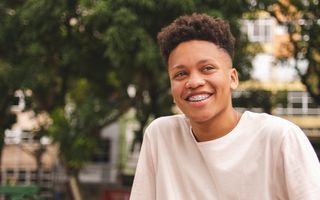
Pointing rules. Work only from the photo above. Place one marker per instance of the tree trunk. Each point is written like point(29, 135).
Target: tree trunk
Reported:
point(1, 145)
point(74, 187)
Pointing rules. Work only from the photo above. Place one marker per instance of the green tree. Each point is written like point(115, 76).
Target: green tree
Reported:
point(302, 21)
point(307, 48)
point(7, 89)
point(79, 57)
point(63, 62)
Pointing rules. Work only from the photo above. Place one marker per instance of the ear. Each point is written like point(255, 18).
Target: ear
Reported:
point(234, 80)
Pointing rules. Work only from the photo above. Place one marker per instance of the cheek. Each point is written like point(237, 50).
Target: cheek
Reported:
point(176, 89)
point(220, 85)
point(220, 80)
point(215, 81)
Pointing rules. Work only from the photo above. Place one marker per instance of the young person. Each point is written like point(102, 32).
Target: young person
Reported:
point(211, 151)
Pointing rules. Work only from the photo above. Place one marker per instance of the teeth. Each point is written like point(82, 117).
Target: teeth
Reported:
point(198, 98)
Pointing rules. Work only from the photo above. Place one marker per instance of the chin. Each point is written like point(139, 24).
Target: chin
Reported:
point(199, 118)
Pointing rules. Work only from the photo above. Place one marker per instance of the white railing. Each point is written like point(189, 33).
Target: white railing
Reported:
point(17, 137)
point(296, 111)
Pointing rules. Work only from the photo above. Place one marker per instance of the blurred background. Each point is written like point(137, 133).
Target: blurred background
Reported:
point(81, 79)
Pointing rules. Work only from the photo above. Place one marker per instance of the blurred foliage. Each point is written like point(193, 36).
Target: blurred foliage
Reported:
point(302, 19)
point(281, 99)
point(78, 57)
point(260, 99)
point(252, 99)
point(75, 140)
point(8, 87)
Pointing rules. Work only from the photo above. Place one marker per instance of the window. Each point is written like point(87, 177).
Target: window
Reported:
point(259, 30)
point(22, 176)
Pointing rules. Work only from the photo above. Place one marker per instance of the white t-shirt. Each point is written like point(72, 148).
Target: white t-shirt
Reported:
point(263, 158)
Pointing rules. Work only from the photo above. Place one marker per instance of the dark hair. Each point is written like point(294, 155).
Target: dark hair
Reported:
point(196, 27)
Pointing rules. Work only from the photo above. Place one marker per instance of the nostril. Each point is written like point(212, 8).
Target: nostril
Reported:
point(195, 83)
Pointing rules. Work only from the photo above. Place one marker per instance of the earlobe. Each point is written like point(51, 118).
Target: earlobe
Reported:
point(234, 79)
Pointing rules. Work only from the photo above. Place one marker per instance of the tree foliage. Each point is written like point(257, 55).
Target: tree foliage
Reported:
point(302, 19)
point(79, 57)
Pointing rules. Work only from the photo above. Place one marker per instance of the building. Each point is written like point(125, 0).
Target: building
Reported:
point(26, 161)
point(288, 96)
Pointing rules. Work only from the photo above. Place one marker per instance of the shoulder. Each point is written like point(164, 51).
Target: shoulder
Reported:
point(269, 121)
point(167, 127)
point(273, 126)
point(168, 123)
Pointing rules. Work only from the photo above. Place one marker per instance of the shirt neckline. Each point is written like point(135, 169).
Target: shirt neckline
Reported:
point(228, 136)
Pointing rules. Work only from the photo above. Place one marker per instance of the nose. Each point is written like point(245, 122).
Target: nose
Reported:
point(195, 81)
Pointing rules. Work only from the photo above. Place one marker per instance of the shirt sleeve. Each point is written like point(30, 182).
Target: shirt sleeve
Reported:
point(143, 187)
point(301, 168)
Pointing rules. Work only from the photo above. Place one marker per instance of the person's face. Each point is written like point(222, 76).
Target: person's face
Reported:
point(202, 79)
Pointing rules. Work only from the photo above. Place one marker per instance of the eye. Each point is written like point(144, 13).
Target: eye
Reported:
point(208, 68)
point(180, 75)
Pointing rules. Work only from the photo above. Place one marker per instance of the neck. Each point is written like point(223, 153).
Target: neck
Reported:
point(217, 127)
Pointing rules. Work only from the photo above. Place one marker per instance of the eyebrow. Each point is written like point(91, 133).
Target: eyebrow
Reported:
point(177, 67)
point(199, 62)
point(206, 60)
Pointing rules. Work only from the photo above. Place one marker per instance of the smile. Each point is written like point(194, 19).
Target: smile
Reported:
point(197, 98)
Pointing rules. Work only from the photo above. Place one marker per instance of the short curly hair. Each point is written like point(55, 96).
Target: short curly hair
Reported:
point(196, 27)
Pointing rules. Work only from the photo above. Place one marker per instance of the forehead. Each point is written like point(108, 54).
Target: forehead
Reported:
point(193, 51)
